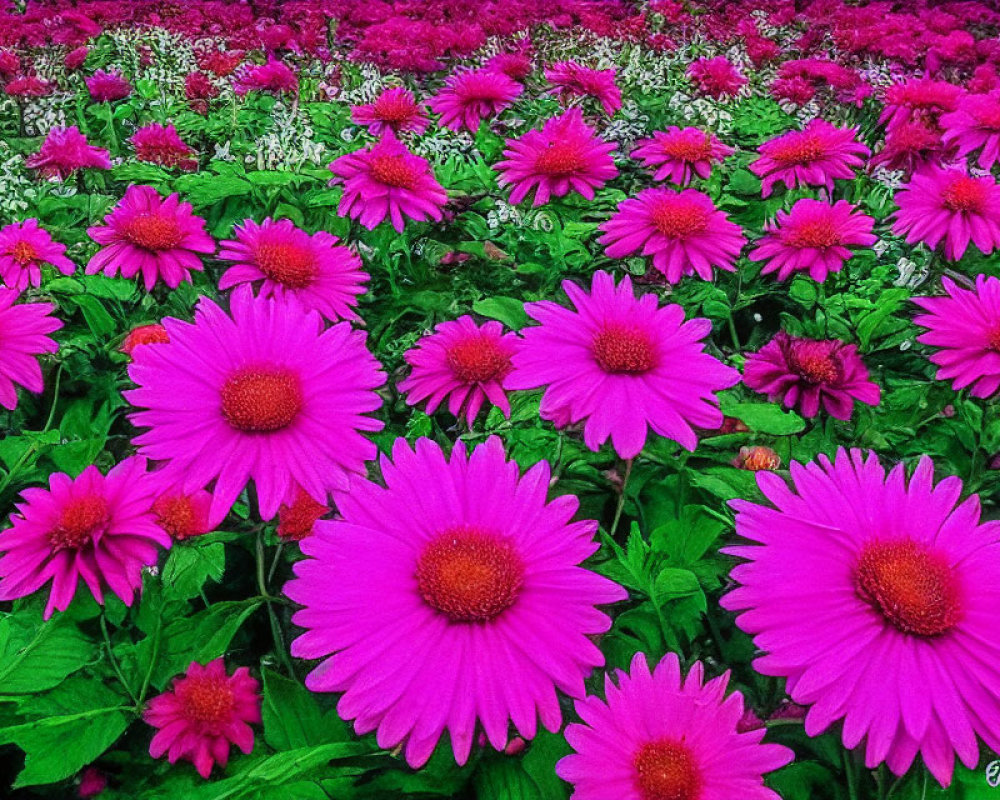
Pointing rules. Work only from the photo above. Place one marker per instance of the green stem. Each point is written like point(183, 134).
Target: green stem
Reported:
point(274, 562)
point(621, 496)
point(852, 776)
point(733, 334)
point(114, 661)
point(279, 641)
point(152, 659)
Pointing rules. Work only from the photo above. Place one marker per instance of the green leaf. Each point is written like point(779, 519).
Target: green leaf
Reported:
point(502, 778)
point(292, 717)
point(190, 564)
point(100, 322)
point(36, 657)
point(509, 310)
point(766, 418)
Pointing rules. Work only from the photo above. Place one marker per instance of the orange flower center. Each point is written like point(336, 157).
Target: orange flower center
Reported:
point(688, 148)
point(393, 171)
point(965, 194)
point(176, 515)
point(477, 359)
point(393, 109)
point(153, 232)
point(261, 399)
point(296, 522)
point(207, 700)
point(23, 253)
point(800, 148)
point(819, 233)
point(561, 158)
point(816, 365)
point(679, 218)
point(288, 263)
point(79, 521)
point(667, 771)
point(622, 349)
point(758, 458)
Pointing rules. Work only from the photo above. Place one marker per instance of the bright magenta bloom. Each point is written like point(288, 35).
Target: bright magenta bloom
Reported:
point(975, 125)
point(25, 328)
point(387, 180)
point(394, 110)
point(161, 145)
point(683, 231)
point(183, 514)
point(807, 373)
point(621, 364)
point(286, 260)
point(814, 156)
point(860, 588)
point(965, 325)
point(918, 98)
point(203, 714)
point(266, 395)
point(24, 247)
point(716, 77)
point(570, 79)
point(813, 237)
point(949, 205)
point(105, 87)
point(274, 77)
point(452, 596)
point(566, 154)
point(470, 96)
point(28, 86)
point(464, 362)
point(95, 527)
point(663, 735)
point(143, 335)
point(147, 234)
point(678, 154)
point(64, 151)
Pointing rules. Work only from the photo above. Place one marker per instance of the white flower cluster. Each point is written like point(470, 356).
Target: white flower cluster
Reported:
point(910, 275)
point(504, 215)
point(288, 145)
point(172, 56)
point(371, 86)
point(15, 184)
point(440, 144)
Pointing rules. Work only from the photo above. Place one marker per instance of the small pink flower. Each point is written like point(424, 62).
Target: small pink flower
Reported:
point(64, 151)
point(28, 86)
point(144, 334)
point(10, 64)
point(514, 65)
point(913, 146)
point(471, 96)
point(75, 58)
point(716, 77)
point(25, 328)
point(394, 110)
point(105, 87)
point(975, 125)
point(92, 782)
point(918, 98)
point(183, 514)
point(678, 154)
point(297, 519)
point(162, 145)
point(570, 79)
point(24, 247)
point(275, 77)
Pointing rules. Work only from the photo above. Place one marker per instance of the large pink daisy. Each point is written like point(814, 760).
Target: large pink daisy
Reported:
point(470, 96)
point(570, 79)
point(393, 110)
point(678, 154)
point(449, 598)
point(265, 395)
point(975, 125)
point(64, 152)
point(878, 602)
point(24, 247)
point(621, 364)
point(24, 330)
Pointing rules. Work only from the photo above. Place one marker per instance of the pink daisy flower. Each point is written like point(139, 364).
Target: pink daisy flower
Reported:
point(322, 274)
point(570, 79)
point(913, 147)
point(806, 373)
point(387, 180)
point(678, 154)
point(184, 514)
point(297, 519)
point(95, 527)
point(394, 110)
point(203, 714)
point(716, 77)
point(470, 96)
point(25, 328)
point(274, 77)
point(265, 395)
point(878, 602)
point(464, 362)
point(975, 125)
point(158, 144)
point(814, 156)
point(24, 247)
point(683, 231)
point(105, 87)
point(147, 234)
point(621, 364)
point(514, 65)
point(449, 597)
point(28, 86)
point(64, 152)
point(566, 154)
point(918, 98)
point(813, 237)
point(663, 735)
point(949, 205)
point(144, 334)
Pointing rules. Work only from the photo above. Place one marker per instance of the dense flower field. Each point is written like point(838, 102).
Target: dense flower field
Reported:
point(510, 400)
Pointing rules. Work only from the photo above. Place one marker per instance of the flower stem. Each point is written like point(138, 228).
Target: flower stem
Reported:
point(621, 496)
point(114, 661)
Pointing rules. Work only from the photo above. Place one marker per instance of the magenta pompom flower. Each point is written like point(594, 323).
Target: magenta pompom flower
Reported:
point(286, 260)
point(387, 180)
point(145, 233)
point(949, 205)
point(566, 154)
point(203, 714)
point(570, 79)
point(621, 364)
point(663, 735)
point(808, 373)
point(470, 96)
point(24, 330)
point(105, 87)
point(464, 362)
point(449, 597)
point(265, 395)
point(24, 247)
point(162, 145)
point(683, 232)
point(975, 125)
point(878, 602)
point(813, 237)
point(716, 77)
point(678, 154)
point(95, 527)
point(394, 110)
point(64, 152)
point(274, 77)
point(814, 156)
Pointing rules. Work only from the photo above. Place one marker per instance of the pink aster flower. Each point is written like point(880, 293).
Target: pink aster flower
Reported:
point(275, 77)
point(394, 110)
point(514, 65)
point(566, 154)
point(570, 79)
point(287, 261)
point(142, 335)
point(918, 98)
point(64, 151)
point(95, 527)
point(183, 514)
point(105, 87)
point(815, 156)
point(806, 373)
point(886, 619)
point(813, 237)
point(266, 395)
point(24, 247)
point(449, 597)
point(387, 180)
point(158, 144)
point(28, 86)
point(464, 362)
point(975, 125)
point(913, 147)
point(203, 714)
point(147, 234)
point(25, 328)
point(470, 96)
point(716, 77)
point(621, 364)
point(949, 205)
point(297, 519)
point(75, 58)
point(683, 231)
point(678, 154)
point(663, 735)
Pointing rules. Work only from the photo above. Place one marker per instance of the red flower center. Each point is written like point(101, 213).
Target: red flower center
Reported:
point(394, 109)
point(993, 340)
point(679, 218)
point(561, 158)
point(177, 516)
point(296, 522)
point(393, 171)
point(966, 194)
point(286, 262)
point(758, 458)
point(819, 233)
point(261, 399)
point(911, 586)
point(688, 148)
point(153, 232)
point(623, 349)
point(799, 148)
point(667, 771)
point(207, 699)
point(23, 253)
point(79, 521)
point(816, 362)
point(477, 359)
point(469, 576)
